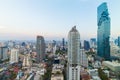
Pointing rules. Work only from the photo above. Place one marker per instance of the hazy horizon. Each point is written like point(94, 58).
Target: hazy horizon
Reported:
point(25, 19)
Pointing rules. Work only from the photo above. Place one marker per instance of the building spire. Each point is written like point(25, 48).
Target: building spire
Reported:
point(73, 29)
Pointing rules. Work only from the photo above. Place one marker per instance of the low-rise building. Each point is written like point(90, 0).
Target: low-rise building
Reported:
point(94, 74)
point(84, 75)
point(114, 66)
point(57, 76)
point(57, 72)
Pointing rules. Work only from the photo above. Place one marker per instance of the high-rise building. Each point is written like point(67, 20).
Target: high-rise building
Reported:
point(40, 47)
point(119, 41)
point(83, 58)
point(103, 33)
point(14, 56)
point(93, 43)
point(63, 44)
point(73, 54)
point(116, 41)
point(3, 53)
point(86, 45)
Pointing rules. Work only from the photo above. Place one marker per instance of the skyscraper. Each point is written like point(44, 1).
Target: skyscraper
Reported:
point(14, 56)
point(73, 54)
point(119, 41)
point(40, 47)
point(83, 58)
point(63, 44)
point(103, 33)
point(93, 43)
point(3, 53)
point(86, 45)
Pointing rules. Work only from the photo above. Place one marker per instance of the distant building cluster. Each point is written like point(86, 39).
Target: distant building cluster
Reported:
point(74, 59)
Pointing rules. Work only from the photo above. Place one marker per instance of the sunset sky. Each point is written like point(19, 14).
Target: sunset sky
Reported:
point(25, 19)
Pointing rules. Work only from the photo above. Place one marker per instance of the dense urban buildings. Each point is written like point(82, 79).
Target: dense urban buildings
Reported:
point(40, 48)
point(103, 32)
point(73, 54)
point(57, 59)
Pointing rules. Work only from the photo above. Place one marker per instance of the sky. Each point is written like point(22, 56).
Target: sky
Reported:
point(53, 19)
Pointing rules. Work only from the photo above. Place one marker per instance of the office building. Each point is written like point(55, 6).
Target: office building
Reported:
point(83, 58)
point(114, 49)
point(119, 41)
point(3, 53)
point(103, 33)
point(14, 56)
point(93, 43)
point(73, 55)
point(86, 45)
point(63, 44)
point(40, 48)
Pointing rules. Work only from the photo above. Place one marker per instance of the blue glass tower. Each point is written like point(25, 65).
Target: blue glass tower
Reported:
point(103, 33)
point(86, 45)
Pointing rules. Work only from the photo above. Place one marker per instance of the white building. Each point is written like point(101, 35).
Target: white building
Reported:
point(96, 64)
point(94, 74)
point(57, 77)
point(26, 61)
point(73, 54)
point(114, 49)
point(57, 72)
point(114, 66)
point(83, 58)
point(14, 56)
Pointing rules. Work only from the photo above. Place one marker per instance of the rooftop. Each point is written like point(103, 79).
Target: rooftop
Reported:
point(73, 29)
point(115, 64)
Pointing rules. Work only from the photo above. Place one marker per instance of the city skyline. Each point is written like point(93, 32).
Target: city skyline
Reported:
point(53, 18)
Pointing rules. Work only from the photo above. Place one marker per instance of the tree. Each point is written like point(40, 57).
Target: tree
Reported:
point(102, 75)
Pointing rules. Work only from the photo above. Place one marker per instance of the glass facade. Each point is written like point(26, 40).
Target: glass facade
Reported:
point(103, 33)
point(40, 47)
point(119, 41)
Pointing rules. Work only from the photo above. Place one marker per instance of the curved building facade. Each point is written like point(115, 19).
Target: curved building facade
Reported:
point(103, 33)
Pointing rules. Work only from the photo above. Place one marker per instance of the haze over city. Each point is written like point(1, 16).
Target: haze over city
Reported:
point(25, 19)
point(59, 40)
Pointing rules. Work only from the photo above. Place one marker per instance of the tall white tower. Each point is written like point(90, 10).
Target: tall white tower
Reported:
point(14, 56)
point(73, 54)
